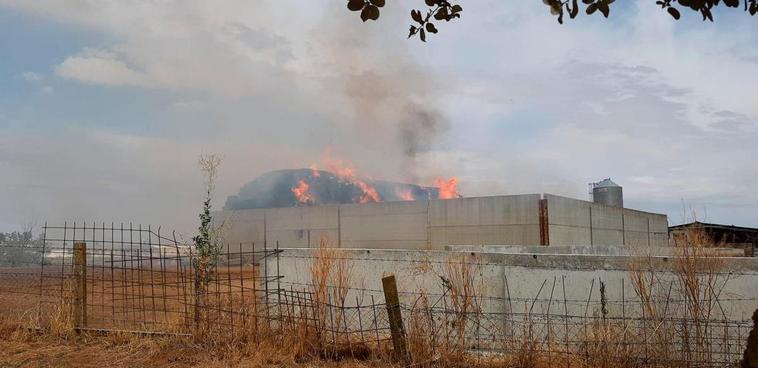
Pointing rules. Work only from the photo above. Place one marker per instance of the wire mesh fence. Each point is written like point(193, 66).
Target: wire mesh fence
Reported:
point(139, 279)
point(681, 317)
point(143, 280)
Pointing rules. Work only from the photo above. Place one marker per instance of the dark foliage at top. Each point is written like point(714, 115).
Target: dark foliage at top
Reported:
point(423, 20)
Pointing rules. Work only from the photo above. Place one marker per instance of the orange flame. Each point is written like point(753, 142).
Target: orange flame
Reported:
point(405, 194)
point(347, 173)
point(447, 188)
point(301, 192)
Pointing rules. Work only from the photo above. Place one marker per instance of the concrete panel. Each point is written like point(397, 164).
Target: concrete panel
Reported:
point(569, 235)
point(484, 235)
point(636, 221)
point(568, 211)
point(385, 244)
point(600, 250)
point(301, 227)
point(607, 237)
point(384, 225)
point(660, 239)
point(607, 225)
point(636, 229)
point(569, 220)
point(484, 220)
point(296, 218)
point(498, 210)
point(244, 226)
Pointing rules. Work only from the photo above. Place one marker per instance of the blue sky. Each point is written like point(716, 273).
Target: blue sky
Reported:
point(105, 106)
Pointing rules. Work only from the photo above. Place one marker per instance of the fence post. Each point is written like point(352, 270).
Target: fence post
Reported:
point(394, 316)
point(750, 357)
point(80, 289)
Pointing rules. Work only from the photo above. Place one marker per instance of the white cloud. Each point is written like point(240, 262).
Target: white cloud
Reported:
point(32, 76)
point(101, 67)
point(665, 108)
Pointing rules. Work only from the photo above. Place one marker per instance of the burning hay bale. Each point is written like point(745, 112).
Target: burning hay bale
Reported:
point(338, 185)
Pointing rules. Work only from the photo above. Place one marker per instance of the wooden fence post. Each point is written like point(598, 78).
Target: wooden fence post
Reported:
point(80, 289)
point(395, 318)
point(750, 357)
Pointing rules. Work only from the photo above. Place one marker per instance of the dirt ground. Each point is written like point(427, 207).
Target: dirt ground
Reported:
point(21, 347)
point(29, 350)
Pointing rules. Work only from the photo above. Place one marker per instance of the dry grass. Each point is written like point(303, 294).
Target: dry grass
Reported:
point(435, 339)
point(695, 279)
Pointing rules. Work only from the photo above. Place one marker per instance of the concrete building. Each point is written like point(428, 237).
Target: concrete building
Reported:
point(530, 219)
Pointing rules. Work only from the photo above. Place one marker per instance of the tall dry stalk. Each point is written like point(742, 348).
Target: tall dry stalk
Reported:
point(463, 286)
point(330, 283)
point(700, 278)
point(423, 344)
point(679, 303)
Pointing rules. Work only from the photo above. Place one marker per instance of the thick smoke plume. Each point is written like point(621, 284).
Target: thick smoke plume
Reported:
point(418, 132)
point(390, 97)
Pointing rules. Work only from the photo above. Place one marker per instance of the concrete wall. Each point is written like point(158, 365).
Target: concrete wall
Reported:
point(408, 225)
point(576, 222)
point(485, 220)
point(435, 224)
point(598, 250)
point(384, 225)
point(511, 280)
point(511, 292)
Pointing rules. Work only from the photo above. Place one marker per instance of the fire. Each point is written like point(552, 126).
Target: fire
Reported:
point(405, 194)
point(347, 173)
point(301, 192)
point(447, 188)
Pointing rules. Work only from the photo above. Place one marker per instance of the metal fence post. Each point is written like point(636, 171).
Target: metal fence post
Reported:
point(80, 289)
point(395, 318)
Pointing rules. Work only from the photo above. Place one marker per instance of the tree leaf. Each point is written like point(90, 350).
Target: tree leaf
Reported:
point(422, 35)
point(416, 15)
point(441, 14)
point(412, 31)
point(674, 13)
point(370, 12)
point(431, 28)
point(574, 9)
point(555, 8)
point(355, 5)
point(457, 8)
point(379, 3)
point(603, 7)
point(430, 2)
point(732, 3)
point(706, 14)
point(591, 8)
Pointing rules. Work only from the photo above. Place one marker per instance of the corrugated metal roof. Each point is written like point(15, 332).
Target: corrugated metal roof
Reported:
point(706, 225)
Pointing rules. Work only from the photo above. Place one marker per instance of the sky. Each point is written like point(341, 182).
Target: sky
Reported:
point(105, 106)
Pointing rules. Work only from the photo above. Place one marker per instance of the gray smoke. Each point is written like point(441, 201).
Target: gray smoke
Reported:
point(418, 132)
point(387, 92)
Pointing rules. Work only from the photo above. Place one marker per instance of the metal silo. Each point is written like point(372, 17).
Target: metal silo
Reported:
point(608, 193)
